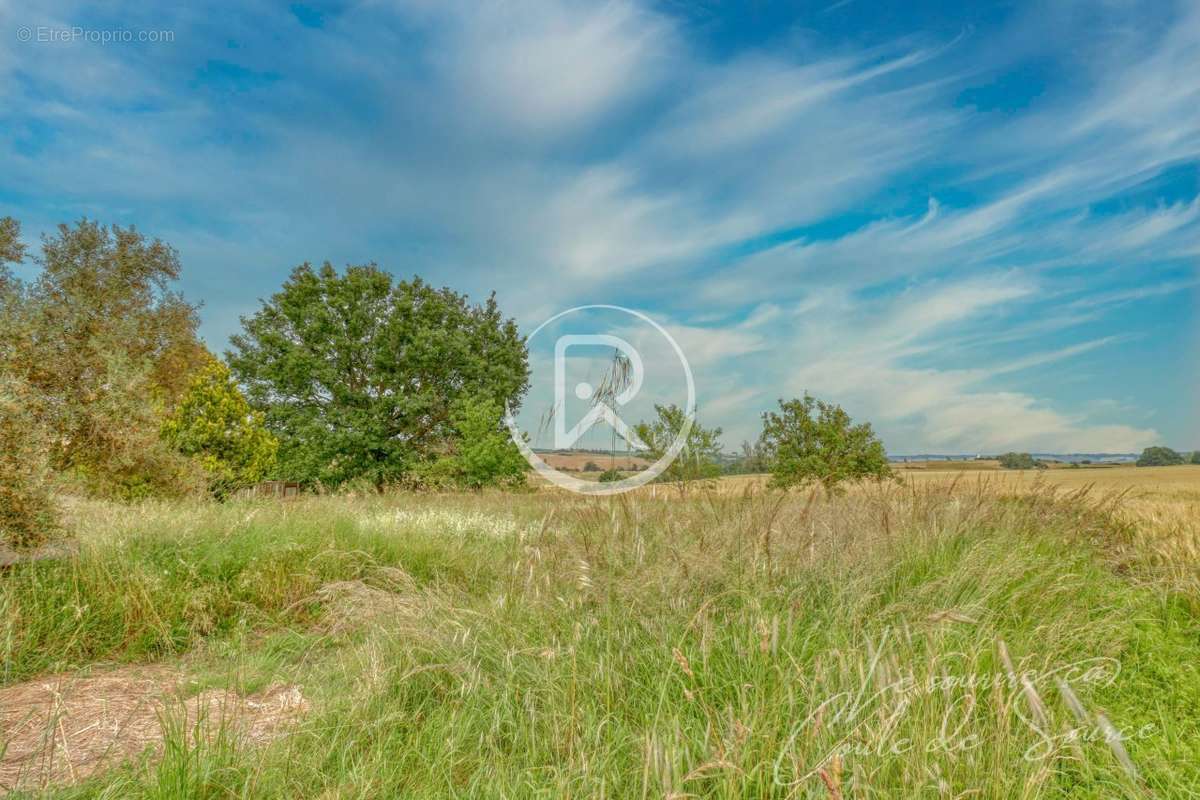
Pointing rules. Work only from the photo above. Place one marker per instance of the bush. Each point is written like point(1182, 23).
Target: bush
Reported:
point(216, 426)
point(611, 476)
point(1159, 457)
point(1196, 457)
point(486, 455)
point(813, 441)
point(592, 466)
point(27, 513)
point(481, 452)
point(1020, 461)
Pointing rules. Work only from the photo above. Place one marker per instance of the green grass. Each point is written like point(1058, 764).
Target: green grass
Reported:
point(722, 647)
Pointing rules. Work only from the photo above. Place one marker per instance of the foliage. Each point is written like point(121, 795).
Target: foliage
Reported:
point(358, 375)
point(592, 466)
point(127, 457)
point(1159, 457)
point(610, 476)
point(105, 347)
point(214, 424)
point(698, 458)
point(1020, 461)
point(11, 250)
point(810, 440)
point(483, 451)
point(752, 460)
point(1196, 457)
point(27, 513)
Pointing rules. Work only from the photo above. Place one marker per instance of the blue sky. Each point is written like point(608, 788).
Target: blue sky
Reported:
point(976, 227)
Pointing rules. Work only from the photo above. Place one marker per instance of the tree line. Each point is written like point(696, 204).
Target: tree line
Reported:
point(340, 378)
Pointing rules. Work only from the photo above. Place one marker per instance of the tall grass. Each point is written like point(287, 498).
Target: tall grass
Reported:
point(893, 643)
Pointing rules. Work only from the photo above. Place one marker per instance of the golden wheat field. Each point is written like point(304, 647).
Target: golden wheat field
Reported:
point(1161, 503)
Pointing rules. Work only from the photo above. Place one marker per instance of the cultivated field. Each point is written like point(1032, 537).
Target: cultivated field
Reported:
point(575, 462)
point(986, 636)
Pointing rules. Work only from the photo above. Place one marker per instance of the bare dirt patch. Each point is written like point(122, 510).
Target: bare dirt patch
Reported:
point(65, 728)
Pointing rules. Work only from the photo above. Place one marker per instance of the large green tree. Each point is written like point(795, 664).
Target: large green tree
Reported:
point(358, 373)
point(810, 440)
point(103, 346)
point(1159, 457)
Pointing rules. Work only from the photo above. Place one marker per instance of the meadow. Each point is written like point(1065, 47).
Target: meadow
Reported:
point(946, 635)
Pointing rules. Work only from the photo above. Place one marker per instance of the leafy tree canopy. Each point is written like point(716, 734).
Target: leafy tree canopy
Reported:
point(104, 346)
point(11, 249)
point(1159, 457)
point(358, 374)
point(1196, 457)
point(1019, 461)
point(484, 453)
point(214, 424)
point(699, 457)
point(810, 440)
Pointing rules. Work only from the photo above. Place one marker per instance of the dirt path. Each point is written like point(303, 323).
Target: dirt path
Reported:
point(65, 728)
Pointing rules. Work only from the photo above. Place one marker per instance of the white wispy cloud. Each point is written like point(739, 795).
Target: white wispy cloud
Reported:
point(565, 152)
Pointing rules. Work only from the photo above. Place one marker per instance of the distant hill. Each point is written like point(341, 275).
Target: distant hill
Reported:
point(576, 460)
point(1066, 458)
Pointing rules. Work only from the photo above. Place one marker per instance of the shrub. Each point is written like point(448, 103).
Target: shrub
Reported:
point(1159, 457)
point(610, 476)
point(813, 441)
point(592, 466)
point(1196, 457)
point(481, 452)
point(216, 426)
point(486, 455)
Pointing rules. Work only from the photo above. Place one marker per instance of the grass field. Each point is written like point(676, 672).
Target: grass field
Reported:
point(992, 636)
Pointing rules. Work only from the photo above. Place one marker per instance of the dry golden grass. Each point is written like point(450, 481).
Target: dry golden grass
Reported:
point(1162, 504)
point(661, 643)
